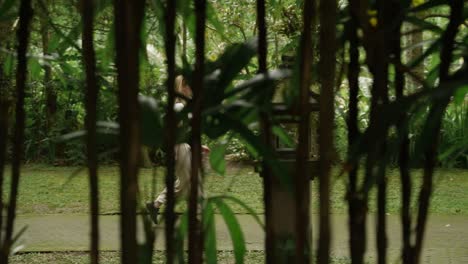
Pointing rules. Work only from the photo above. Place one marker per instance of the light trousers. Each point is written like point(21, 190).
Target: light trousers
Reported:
point(183, 165)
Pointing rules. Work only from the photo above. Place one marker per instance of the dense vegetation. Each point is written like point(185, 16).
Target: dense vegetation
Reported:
point(88, 81)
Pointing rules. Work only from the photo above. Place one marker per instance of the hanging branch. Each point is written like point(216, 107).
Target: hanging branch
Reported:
point(435, 116)
point(356, 206)
point(328, 17)
point(195, 245)
point(266, 136)
point(91, 96)
point(170, 128)
point(128, 22)
point(25, 16)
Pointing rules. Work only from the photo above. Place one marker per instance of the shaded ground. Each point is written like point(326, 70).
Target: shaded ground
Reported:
point(447, 236)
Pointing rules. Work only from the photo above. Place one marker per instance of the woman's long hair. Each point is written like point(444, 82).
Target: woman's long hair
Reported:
point(178, 87)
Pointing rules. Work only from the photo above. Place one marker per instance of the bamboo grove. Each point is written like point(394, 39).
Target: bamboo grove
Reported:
point(338, 42)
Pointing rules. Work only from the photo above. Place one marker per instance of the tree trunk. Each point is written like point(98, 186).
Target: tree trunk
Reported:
point(128, 22)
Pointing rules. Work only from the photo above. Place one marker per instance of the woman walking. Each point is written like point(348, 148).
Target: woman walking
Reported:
point(183, 158)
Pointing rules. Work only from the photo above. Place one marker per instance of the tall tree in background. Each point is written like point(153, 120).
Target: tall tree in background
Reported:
point(23, 33)
point(128, 22)
point(50, 93)
point(6, 102)
point(91, 96)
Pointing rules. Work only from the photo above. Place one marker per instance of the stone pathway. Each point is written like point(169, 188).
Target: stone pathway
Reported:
point(446, 239)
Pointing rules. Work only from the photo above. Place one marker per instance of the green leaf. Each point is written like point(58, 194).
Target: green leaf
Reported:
point(432, 49)
point(224, 70)
point(212, 18)
point(209, 226)
point(283, 136)
point(181, 233)
point(9, 64)
point(239, 202)
point(6, 7)
point(460, 94)
point(54, 42)
point(151, 122)
point(428, 5)
point(235, 231)
point(260, 81)
point(234, 59)
point(34, 68)
point(217, 159)
point(424, 25)
point(255, 142)
point(107, 133)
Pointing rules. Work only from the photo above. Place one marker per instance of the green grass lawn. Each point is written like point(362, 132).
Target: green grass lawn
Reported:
point(224, 257)
point(59, 190)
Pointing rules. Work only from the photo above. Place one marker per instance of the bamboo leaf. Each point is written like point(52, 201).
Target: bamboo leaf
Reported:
point(239, 202)
point(237, 237)
point(151, 122)
point(217, 159)
point(432, 49)
point(428, 5)
point(6, 7)
point(209, 226)
point(181, 233)
point(424, 25)
point(460, 94)
point(283, 136)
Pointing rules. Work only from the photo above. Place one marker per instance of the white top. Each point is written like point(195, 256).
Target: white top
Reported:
point(179, 107)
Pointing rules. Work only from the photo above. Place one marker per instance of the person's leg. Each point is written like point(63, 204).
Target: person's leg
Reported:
point(153, 207)
point(182, 183)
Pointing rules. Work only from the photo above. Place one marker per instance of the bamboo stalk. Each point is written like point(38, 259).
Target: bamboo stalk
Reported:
point(195, 247)
point(403, 156)
point(266, 135)
point(128, 23)
point(302, 177)
point(23, 34)
point(327, 64)
point(436, 113)
point(91, 96)
point(170, 131)
point(357, 241)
